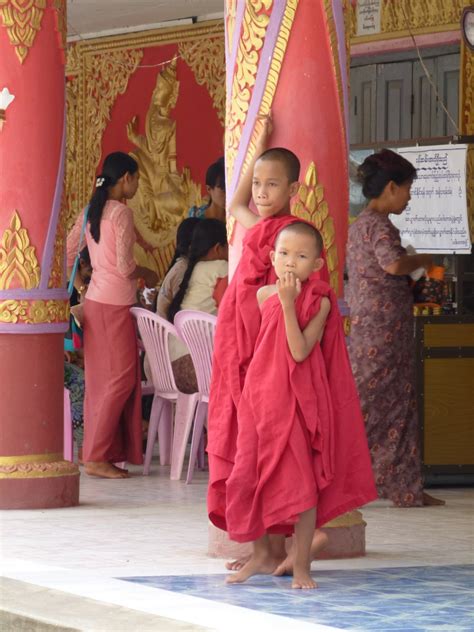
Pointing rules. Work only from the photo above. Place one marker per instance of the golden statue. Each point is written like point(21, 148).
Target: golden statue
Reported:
point(164, 195)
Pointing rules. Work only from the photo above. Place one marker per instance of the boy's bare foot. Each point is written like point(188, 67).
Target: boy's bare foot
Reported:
point(302, 579)
point(103, 469)
point(256, 565)
point(320, 540)
point(236, 565)
point(431, 501)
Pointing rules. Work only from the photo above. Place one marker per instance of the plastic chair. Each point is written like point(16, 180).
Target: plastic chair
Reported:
point(155, 332)
point(197, 330)
point(68, 437)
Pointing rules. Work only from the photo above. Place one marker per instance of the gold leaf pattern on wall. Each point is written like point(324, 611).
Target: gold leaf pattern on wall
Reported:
point(106, 76)
point(206, 59)
point(22, 19)
point(61, 21)
point(34, 312)
point(19, 267)
point(311, 206)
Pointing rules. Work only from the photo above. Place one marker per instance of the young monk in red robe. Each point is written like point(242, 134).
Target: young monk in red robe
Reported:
point(272, 180)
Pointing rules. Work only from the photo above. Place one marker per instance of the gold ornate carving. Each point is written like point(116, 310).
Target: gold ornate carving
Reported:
point(206, 59)
point(422, 16)
point(164, 195)
point(34, 312)
point(328, 10)
point(106, 76)
point(61, 21)
point(312, 207)
point(22, 19)
point(19, 267)
point(267, 98)
point(466, 120)
point(254, 28)
point(36, 466)
point(56, 276)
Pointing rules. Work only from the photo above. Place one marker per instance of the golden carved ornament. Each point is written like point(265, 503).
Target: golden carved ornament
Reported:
point(267, 98)
point(312, 207)
point(254, 27)
point(19, 267)
point(164, 195)
point(34, 312)
point(56, 276)
point(61, 21)
point(106, 76)
point(206, 59)
point(22, 19)
point(333, 43)
point(36, 466)
point(423, 16)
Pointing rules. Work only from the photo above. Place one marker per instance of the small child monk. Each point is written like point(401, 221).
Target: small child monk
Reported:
point(272, 179)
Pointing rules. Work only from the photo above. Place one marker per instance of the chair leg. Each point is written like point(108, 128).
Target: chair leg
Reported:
point(199, 420)
point(201, 455)
point(165, 432)
point(68, 437)
point(183, 421)
point(152, 432)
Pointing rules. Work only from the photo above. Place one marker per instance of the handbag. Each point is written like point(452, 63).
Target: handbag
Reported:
point(73, 338)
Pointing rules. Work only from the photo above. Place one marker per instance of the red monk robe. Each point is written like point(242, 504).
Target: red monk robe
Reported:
point(301, 440)
point(236, 335)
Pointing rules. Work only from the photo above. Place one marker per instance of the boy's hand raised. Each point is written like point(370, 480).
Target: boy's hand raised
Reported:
point(264, 126)
point(289, 286)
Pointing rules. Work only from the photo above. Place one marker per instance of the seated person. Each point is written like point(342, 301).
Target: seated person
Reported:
point(215, 186)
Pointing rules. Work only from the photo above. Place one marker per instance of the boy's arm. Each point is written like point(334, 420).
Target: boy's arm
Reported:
point(300, 343)
point(239, 205)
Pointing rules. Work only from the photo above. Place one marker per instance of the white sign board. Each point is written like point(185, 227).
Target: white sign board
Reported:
point(435, 220)
point(368, 17)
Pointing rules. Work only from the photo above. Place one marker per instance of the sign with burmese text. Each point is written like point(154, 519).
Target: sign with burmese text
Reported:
point(368, 17)
point(435, 219)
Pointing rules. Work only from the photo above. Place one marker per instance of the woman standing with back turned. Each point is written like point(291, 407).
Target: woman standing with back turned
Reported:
point(112, 411)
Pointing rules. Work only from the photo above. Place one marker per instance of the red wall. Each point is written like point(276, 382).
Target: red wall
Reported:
point(199, 134)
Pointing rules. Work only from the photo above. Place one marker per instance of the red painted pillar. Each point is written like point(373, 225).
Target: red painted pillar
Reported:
point(33, 301)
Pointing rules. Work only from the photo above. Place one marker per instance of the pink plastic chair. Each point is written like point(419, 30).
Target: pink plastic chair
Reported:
point(197, 330)
point(155, 332)
point(68, 437)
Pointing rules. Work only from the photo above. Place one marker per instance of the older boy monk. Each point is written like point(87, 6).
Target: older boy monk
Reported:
point(272, 180)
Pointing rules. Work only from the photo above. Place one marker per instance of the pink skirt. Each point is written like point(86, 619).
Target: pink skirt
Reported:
point(112, 407)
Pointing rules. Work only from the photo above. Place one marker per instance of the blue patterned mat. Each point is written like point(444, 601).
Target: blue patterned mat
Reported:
point(413, 599)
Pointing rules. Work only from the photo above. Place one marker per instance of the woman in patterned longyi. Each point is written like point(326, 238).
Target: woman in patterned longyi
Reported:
point(381, 342)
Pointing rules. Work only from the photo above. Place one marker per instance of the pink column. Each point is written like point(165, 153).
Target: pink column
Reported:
point(33, 301)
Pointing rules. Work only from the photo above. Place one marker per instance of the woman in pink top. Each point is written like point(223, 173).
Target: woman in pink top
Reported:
point(112, 409)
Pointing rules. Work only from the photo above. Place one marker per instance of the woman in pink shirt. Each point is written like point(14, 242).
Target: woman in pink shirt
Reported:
point(112, 409)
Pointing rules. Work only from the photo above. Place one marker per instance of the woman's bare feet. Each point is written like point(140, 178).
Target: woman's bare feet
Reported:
point(431, 501)
point(236, 565)
point(320, 540)
point(103, 469)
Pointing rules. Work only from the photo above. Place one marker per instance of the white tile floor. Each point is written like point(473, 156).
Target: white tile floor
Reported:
point(153, 526)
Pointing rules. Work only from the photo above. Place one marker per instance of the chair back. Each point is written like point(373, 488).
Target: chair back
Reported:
point(155, 333)
point(197, 330)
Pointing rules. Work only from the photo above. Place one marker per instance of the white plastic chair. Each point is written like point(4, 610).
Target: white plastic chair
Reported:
point(196, 329)
point(155, 332)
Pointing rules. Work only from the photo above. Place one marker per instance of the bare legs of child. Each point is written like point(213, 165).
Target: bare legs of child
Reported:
point(320, 540)
point(269, 555)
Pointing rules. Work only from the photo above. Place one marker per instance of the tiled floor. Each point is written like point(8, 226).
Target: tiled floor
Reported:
point(152, 532)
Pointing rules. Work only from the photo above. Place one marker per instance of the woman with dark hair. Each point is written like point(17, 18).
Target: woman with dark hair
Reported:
point(112, 410)
point(381, 340)
point(215, 186)
point(202, 287)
